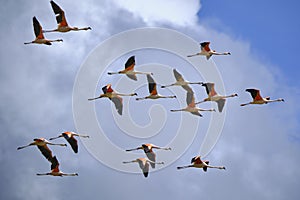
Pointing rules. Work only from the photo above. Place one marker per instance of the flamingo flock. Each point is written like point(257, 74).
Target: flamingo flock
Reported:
point(116, 98)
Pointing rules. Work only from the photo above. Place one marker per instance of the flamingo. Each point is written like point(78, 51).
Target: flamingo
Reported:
point(144, 164)
point(257, 99)
point(148, 149)
point(213, 96)
point(198, 163)
point(69, 136)
point(62, 25)
point(38, 31)
point(153, 91)
point(129, 69)
point(181, 82)
point(191, 106)
point(108, 92)
point(41, 143)
point(205, 51)
point(55, 170)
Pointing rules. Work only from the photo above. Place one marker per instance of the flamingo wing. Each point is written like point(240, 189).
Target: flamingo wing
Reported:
point(59, 13)
point(177, 75)
point(196, 159)
point(210, 89)
point(132, 76)
point(221, 103)
point(205, 168)
point(107, 89)
point(255, 94)
point(205, 46)
point(46, 152)
point(151, 85)
point(187, 88)
point(151, 155)
point(37, 29)
point(190, 99)
point(118, 104)
point(130, 63)
point(54, 164)
point(146, 169)
point(72, 141)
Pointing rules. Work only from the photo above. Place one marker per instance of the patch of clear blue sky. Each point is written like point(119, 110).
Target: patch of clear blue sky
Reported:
point(271, 27)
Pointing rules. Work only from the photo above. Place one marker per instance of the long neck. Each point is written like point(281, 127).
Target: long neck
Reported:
point(166, 96)
point(29, 42)
point(218, 53)
point(228, 96)
point(84, 136)
point(147, 73)
point(211, 110)
point(48, 31)
point(197, 54)
point(55, 144)
point(22, 147)
point(55, 137)
point(110, 73)
point(164, 86)
point(275, 100)
point(73, 174)
point(58, 40)
point(120, 94)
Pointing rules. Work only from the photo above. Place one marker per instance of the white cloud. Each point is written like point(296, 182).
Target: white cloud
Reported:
point(177, 12)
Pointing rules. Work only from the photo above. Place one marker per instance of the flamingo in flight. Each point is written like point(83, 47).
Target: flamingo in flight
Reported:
point(144, 164)
point(191, 106)
point(38, 31)
point(213, 96)
point(69, 136)
point(55, 170)
point(181, 82)
point(206, 51)
point(153, 91)
point(62, 25)
point(257, 99)
point(129, 69)
point(41, 143)
point(108, 92)
point(148, 149)
point(198, 163)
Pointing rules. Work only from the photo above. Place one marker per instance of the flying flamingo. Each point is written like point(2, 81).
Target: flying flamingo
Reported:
point(55, 170)
point(191, 106)
point(181, 82)
point(198, 163)
point(213, 96)
point(144, 164)
point(129, 69)
point(153, 91)
point(62, 25)
point(148, 149)
point(41, 143)
point(205, 51)
point(38, 31)
point(108, 92)
point(69, 136)
point(257, 99)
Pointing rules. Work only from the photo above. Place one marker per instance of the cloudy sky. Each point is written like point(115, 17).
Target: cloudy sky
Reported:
point(259, 145)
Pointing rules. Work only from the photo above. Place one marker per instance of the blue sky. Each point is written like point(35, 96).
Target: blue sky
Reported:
point(259, 145)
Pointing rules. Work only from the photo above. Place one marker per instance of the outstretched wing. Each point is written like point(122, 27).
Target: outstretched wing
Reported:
point(37, 29)
point(46, 152)
point(107, 89)
point(129, 65)
point(132, 76)
point(59, 13)
point(221, 103)
point(72, 141)
point(54, 164)
point(190, 99)
point(205, 46)
point(196, 159)
point(146, 169)
point(118, 104)
point(152, 157)
point(210, 89)
point(255, 94)
point(177, 75)
point(151, 85)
